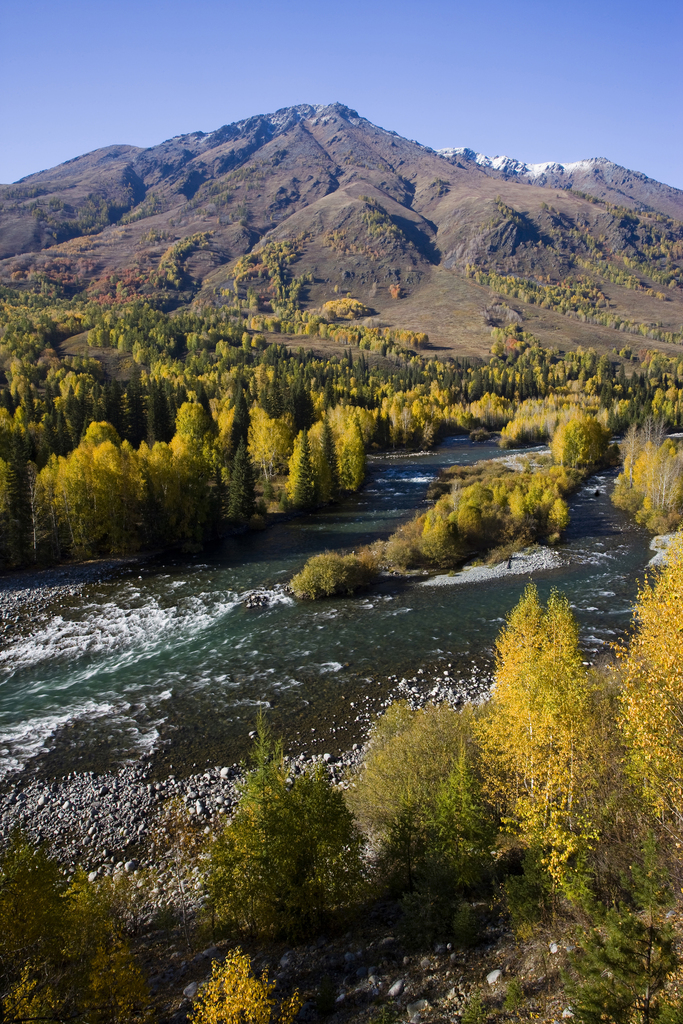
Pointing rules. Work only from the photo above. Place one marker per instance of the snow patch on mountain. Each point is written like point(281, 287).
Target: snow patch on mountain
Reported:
point(508, 164)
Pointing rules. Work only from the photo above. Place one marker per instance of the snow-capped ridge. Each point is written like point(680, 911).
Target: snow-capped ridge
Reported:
point(509, 165)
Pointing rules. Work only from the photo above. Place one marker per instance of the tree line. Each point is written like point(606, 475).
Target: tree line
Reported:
point(289, 409)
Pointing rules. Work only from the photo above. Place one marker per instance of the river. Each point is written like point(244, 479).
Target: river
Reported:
point(164, 659)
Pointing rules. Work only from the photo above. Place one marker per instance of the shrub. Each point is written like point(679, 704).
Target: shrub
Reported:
point(418, 797)
point(529, 895)
point(61, 952)
point(234, 995)
point(325, 1000)
point(344, 309)
point(514, 997)
point(483, 507)
point(475, 1011)
point(333, 573)
point(465, 929)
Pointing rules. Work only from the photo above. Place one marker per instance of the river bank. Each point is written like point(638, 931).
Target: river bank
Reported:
point(101, 822)
point(169, 660)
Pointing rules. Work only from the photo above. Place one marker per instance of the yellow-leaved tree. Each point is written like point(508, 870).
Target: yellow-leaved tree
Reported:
point(63, 952)
point(581, 441)
point(652, 695)
point(351, 456)
point(270, 441)
point(234, 995)
point(536, 735)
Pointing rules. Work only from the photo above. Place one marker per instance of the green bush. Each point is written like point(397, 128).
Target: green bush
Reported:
point(418, 797)
point(528, 895)
point(465, 930)
point(289, 863)
point(514, 997)
point(427, 913)
point(475, 1011)
point(325, 1000)
point(332, 573)
point(61, 947)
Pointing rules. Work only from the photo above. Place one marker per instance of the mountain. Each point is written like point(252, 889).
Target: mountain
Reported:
point(425, 239)
point(597, 177)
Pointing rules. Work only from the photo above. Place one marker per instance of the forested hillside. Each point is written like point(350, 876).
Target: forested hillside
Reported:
point(173, 428)
point(197, 335)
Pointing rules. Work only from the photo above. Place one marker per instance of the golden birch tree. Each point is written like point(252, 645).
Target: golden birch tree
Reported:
point(536, 737)
point(652, 696)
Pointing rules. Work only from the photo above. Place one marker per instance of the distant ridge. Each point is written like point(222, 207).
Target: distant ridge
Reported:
point(597, 176)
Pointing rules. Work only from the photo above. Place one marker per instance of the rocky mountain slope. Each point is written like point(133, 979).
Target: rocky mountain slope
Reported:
point(387, 220)
point(596, 177)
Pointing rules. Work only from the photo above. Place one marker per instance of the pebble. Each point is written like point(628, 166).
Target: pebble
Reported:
point(493, 977)
point(522, 563)
point(191, 990)
point(396, 989)
point(97, 821)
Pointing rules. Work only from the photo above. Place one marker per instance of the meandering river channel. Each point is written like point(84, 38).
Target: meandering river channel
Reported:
point(165, 658)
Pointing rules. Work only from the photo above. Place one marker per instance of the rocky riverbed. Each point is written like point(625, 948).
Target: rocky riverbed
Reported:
point(106, 822)
point(521, 563)
point(24, 595)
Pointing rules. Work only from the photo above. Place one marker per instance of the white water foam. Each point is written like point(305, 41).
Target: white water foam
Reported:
point(109, 627)
point(20, 743)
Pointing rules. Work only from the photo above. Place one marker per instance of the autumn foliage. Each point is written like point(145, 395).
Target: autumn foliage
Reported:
point(234, 994)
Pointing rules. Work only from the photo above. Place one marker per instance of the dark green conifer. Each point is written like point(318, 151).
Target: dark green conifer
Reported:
point(240, 424)
point(329, 458)
point(303, 493)
point(18, 520)
point(625, 961)
point(135, 426)
point(241, 502)
point(300, 404)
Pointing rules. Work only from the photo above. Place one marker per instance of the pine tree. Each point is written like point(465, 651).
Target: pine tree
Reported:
point(300, 404)
point(159, 425)
point(240, 424)
point(625, 962)
point(135, 421)
point(18, 542)
point(301, 485)
point(329, 459)
point(241, 502)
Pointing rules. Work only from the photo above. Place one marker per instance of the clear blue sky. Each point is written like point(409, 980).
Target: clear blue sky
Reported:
point(534, 80)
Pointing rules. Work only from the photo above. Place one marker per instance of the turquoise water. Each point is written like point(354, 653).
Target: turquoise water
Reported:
point(166, 658)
